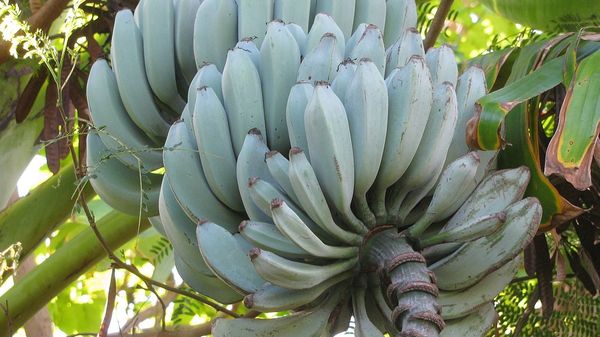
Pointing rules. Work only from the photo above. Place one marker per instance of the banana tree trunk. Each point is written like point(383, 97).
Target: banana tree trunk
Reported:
point(70, 261)
point(33, 217)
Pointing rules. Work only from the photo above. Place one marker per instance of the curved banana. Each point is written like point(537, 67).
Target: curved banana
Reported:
point(313, 322)
point(478, 258)
point(293, 11)
point(210, 286)
point(272, 298)
point(470, 230)
point(322, 25)
point(242, 95)
point(409, 45)
point(328, 135)
point(213, 140)
point(187, 180)
point(278, 167)
point(185, 17)
point(291, 225)
point(215, 32)
point(366, 103)
point(129, 191)
point(492, 195)
point(296, 275)
point(400, 15)
point(474, 325)
point(321, 63)
point(370, 12)
point(298, 99)
point(117, 131)
point(363, 325)
point(253, 16)
point(247, 44)
point(410, 98)
point(431, 153)
point(471, 87)
point(251, 163)
point(299, 35)
point(343, 78)
point(280, 59)
point(456, 304)
point(353, 40)
point(207, 76)
point(127, 57)
point(455, 185)
point(370, 46)
point(311, 198)
point(158, 31)
point(442, 65)
point(342, 11)
point(226, 259)
point(266, 236)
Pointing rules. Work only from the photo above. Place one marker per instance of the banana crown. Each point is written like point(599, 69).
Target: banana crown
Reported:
point(312, 169)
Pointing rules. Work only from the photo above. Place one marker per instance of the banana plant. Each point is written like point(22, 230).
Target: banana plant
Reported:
point(319, 166)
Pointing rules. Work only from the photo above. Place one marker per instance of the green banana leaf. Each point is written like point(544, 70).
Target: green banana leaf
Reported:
point(549, 15)
point(523, 85)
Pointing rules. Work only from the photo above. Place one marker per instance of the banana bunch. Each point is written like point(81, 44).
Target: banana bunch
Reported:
point(319, 167)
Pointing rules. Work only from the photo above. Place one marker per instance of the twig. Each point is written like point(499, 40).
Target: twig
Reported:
point(110, 306)
point(147, 313)
point(437, 24)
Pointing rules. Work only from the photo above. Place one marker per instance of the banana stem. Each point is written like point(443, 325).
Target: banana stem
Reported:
point(411, 286)
point(32, 218)
point(74, 258)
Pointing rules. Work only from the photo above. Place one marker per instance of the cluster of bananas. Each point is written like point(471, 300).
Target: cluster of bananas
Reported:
point(325, 172)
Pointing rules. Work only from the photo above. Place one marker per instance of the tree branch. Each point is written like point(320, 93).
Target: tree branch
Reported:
point(437, 24)
point(41, 19)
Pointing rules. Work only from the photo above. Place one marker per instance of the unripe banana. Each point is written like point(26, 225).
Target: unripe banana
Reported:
point(293, 11)
point(253, 16)
point(370, 12)
point(296, 275)
point(363, 325)
point(456, 183)
point(291, 225)
point(207, 76)
point(187, 180)
point(129, 191)
point(272, 298)
point(118, 132)
point(185, 16)
point(248, 44)
point(266, 236)
point(299, 35)
point(409, 45)
point(322, 62)
point(353, 40)
point(343, 78)
point(370, 46)
point(213, 139)
point(280, 59)
point(478, 258)
point(215, 32)
point(251, 163)
point(400, 15)
point(366, 103)
point(410, 99)
point(158, 30)
point(300, 94)
point(342, 11)
point(475, 325)
point(442, 65)
point(324, 24)
point(431, 153)
point(278, 167)
point(329, 140)
point(311, 198)
point(469, 230)
point(226, 259)
point(242, 94)
point(127, 56)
